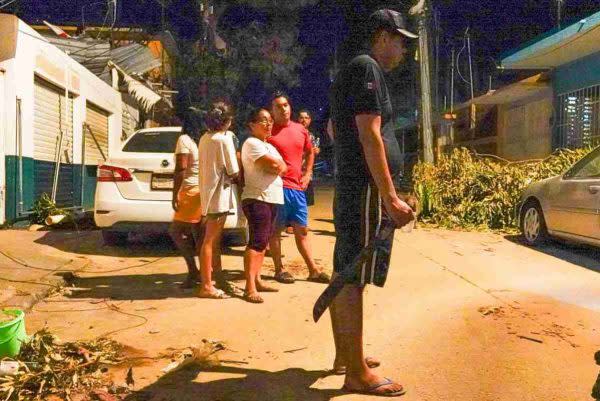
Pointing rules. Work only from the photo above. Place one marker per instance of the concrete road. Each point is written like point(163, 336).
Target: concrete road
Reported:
point(464, 316)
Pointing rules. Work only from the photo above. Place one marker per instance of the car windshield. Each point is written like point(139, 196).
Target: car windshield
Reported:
point(152, 142)
point(588, 167)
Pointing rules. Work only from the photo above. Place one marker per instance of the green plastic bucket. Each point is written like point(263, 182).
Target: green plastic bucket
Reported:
point(12, 333)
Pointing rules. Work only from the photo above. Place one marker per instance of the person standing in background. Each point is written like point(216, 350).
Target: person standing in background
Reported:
point(293, 144)
point(186, 227)
point(305, 119)
point(218, 169)
point(261, 199)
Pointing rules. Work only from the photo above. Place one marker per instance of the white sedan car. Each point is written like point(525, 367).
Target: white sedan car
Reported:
point(566, 206)
point(134, 189)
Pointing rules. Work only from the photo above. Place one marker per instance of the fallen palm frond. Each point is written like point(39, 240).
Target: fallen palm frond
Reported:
point(203, 355)
point(466, 190)
point(49, 367)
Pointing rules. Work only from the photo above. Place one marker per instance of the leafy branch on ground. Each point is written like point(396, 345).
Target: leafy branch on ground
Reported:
point(45, 207)
point(49, 367)
point(470, 191)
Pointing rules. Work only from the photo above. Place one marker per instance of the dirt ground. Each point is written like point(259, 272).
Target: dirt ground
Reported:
point(464, 317)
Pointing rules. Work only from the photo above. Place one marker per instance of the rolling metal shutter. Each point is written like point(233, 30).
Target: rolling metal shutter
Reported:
point(48, 123)
point(96, 141)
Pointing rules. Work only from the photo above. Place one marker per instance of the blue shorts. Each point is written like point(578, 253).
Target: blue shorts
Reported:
point(294, 209)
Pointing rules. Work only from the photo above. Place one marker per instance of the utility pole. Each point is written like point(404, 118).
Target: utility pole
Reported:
point(452, 96)
point(436, 19)
point(559, 6)
point(420, 10)
point(473, 107)
point(452, 81)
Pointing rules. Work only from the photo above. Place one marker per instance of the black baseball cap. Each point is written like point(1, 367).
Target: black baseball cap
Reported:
point(390, 20)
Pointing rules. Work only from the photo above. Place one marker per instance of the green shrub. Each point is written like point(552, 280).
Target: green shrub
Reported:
point(465, 190)
point(44, 207)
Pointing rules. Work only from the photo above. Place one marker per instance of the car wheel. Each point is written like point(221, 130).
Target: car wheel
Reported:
point(533, 224)
point(236, 238)
point(114, 238)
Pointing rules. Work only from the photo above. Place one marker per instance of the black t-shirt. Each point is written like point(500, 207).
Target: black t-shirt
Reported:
point(360, 88)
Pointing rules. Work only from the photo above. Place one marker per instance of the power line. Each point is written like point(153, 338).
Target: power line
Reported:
point(103, 23)
point(6, 4)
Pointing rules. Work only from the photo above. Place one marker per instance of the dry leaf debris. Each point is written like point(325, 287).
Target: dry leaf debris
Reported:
point(49, 367)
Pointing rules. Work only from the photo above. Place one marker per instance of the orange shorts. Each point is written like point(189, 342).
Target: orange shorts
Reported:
point(189, 210)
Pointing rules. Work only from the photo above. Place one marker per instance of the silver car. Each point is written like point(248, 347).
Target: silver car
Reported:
point(566, 206)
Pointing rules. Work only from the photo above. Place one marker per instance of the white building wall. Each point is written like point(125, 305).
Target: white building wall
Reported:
point(2, 135)
point(33, 55)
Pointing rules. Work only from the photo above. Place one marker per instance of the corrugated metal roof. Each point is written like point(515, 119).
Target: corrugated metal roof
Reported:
point(92, 54)
point(135, 59)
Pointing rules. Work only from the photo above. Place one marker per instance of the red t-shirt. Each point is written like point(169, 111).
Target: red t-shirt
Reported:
point(291, 141)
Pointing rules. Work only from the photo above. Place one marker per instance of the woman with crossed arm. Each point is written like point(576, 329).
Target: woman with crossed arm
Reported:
point(262, 196)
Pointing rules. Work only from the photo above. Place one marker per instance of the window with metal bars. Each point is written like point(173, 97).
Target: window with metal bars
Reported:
point(579, 118)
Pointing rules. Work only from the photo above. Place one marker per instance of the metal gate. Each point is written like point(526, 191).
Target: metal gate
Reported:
point(49, 124)
point(579, 118)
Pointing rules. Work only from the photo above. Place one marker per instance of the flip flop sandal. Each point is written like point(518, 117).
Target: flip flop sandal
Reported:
point(372, 390)
point(217, 294)
point(322, 278)
point(253, 298)
point(371, 363)
point(284, 277)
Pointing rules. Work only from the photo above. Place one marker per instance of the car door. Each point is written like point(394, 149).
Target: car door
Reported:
point(575, 199)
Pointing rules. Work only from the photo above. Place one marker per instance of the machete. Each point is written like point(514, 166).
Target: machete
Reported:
point(349, 273)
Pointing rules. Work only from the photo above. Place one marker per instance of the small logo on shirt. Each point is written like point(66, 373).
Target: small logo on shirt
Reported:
point(370, 86)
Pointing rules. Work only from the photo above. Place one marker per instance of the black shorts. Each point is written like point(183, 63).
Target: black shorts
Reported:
point(262, 219)
point(358, 216)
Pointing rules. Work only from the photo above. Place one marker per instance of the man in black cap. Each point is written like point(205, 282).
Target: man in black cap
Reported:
point(368, 157)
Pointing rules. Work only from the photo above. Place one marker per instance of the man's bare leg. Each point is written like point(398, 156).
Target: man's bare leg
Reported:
point(303, 245)
point(337, 340)
point(347, 323)
point(339, 363)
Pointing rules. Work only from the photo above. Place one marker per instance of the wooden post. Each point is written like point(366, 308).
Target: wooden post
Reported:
point(420, 10)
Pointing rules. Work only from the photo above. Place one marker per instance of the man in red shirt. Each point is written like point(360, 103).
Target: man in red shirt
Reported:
point(292, 141)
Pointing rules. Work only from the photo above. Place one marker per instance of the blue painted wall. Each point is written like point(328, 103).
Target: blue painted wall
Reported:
point(577, 75)
point(37, 179)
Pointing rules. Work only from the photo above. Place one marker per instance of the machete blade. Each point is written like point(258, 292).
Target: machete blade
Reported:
point(346, 276)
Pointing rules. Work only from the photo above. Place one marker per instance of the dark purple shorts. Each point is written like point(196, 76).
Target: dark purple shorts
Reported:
point(262, 218)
